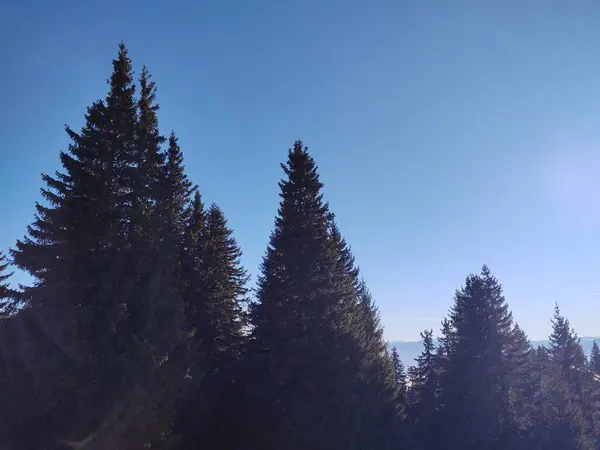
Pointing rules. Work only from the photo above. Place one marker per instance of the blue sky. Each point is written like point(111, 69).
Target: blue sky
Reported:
point(448, 134)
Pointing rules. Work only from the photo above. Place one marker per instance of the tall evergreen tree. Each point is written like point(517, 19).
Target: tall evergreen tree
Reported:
point(304, 350)
point(400, 375)
point(176, 193)
point(193, 274)
point(474, 387)
point(216, 288)
point(293, 317)
point(573, 387)
point(149, 320)
point(595, 358)
point(522, 384)
point(423, 395)
point(74, 251)
point(226, 291)
point(565, 347)
point(217, 293)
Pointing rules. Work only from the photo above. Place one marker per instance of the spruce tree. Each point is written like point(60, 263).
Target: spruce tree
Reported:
point(573, 379)
point(217, 292)
point(193, 275)
point(148, 322)
point(400, 376)
point(474, 386)
point(74, 251)
point(559, 420)
point(225, 292)
point(423, 395)
point(304, 350)
point(176, 194)
point(523, 385)
point(565, 347)
point(216, 288)
point(595, 359)
point(293, 318)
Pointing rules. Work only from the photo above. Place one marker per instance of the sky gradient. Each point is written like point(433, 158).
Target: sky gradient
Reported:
point(448, 135)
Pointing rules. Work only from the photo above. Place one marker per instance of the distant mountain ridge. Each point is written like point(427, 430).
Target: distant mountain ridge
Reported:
point(409, 350)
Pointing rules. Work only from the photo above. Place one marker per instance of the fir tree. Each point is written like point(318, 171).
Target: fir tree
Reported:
point(217, 287)
point(565, 348)
point(595, 358)
point(559, 420)
point(400, 375)
point(293, 317)
point(193, 275)
point(474, 386)
point(423, 395)
point(226, 291)
point(74, 251)
point(149, 315)
point(176, 193)
point(217, 292)
point(304, 346)
point(523, 385)
point(573, 378)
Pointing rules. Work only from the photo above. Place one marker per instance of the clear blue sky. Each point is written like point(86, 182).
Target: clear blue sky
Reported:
point(448, 134)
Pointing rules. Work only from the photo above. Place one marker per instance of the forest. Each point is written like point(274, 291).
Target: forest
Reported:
point(140, 329)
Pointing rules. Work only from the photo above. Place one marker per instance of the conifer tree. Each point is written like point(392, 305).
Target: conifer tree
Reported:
point(217, 291)
point(217, 287)
point(176, 193)
point(400, 376)
point(573, 378)
point(423, 395)
point(293, 317)
point(474, 387)
point(193, 274)
point(74, 251)
point(565, 347)
point(225, 291)
point(559, 420)
point(595, 358)
point(523, 385)
point(151, 319)
point(304, 349)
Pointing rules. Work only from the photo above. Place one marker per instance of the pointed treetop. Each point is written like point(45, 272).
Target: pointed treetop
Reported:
point(426, 360)
point(519, 335)
point(179, 186)
point(147, 101)
point(302, 173)
point(565, 346)
point(197, 204)
point(121, 80)
point(196, 215)
point(562, 335)
point(174, 151)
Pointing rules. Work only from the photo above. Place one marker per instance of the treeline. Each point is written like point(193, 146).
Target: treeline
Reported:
point(139, 330)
